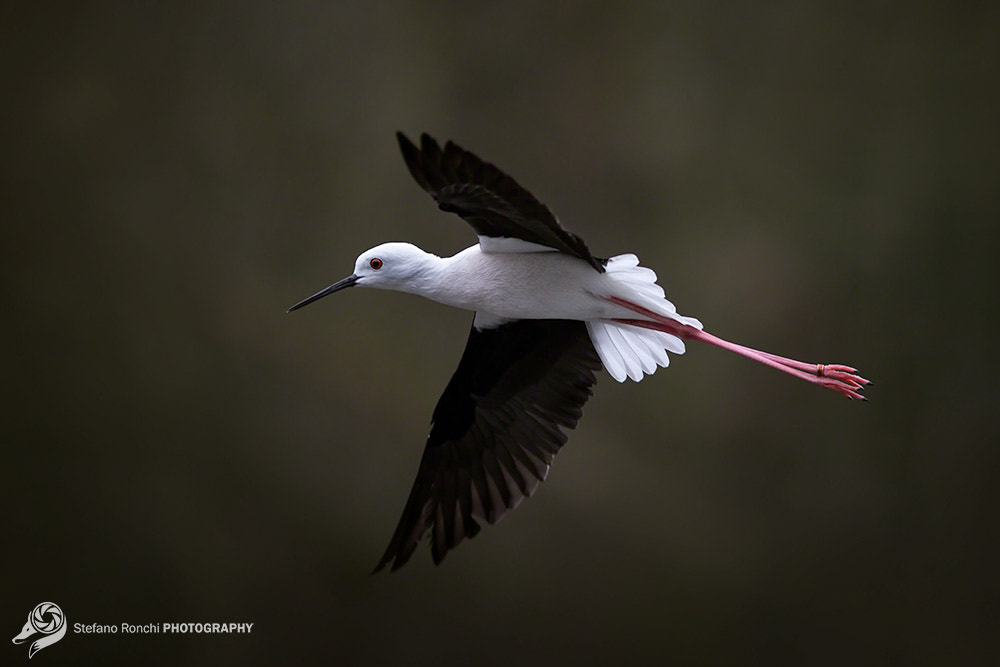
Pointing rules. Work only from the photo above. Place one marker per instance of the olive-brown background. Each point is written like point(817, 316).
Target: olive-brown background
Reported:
point(817, 179)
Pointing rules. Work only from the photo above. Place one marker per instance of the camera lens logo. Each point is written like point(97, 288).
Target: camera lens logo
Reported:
point(46, 619)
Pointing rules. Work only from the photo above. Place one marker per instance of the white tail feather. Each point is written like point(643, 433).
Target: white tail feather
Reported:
point(628, 351)
point(606, 350)
point(632, 352)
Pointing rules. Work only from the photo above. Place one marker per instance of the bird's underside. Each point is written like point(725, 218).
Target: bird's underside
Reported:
point(522, 383)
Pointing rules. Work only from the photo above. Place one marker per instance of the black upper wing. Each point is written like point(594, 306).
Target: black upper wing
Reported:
point(485, 197)
point(495, 430)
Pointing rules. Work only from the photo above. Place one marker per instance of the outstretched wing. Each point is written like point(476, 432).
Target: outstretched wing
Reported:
point(485, 197)
point(495, 430)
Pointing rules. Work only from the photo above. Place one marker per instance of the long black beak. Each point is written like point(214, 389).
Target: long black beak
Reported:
point(349, 281)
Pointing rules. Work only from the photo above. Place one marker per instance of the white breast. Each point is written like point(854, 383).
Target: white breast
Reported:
point(533, 285)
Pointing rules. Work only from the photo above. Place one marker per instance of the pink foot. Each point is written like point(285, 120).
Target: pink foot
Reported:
point(842, 379)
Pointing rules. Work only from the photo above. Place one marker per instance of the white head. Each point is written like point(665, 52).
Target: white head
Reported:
point(395, 266)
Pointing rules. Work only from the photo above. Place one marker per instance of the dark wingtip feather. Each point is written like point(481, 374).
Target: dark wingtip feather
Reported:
point(412, 158)
point(429, 144)
point(407, 147)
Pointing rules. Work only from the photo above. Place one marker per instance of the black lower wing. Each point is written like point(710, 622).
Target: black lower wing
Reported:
point(495, 430)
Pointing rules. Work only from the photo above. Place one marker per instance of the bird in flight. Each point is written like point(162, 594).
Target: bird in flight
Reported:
point(548, 315)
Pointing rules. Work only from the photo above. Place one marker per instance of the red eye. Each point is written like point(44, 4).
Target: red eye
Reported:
point(376, 263)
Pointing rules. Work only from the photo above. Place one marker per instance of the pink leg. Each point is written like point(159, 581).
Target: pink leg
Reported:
point(840, 378)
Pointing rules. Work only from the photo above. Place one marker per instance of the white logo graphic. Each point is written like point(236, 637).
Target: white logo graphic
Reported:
point(47, 619)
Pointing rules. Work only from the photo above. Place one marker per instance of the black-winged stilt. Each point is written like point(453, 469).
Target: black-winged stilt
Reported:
point(548, 314)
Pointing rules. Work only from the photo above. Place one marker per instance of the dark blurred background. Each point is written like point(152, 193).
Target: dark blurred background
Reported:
point(819, 180)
